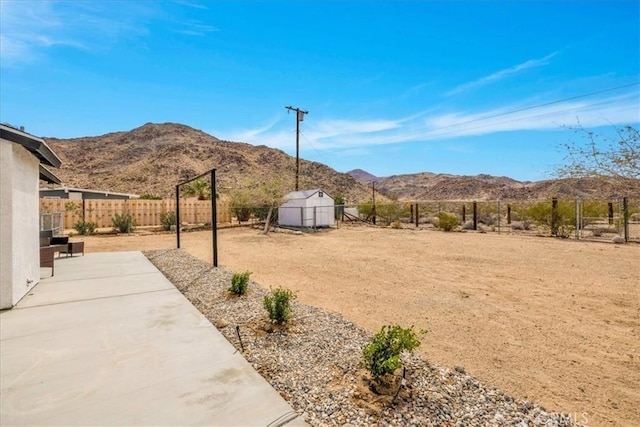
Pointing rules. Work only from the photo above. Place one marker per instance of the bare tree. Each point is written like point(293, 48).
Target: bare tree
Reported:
point(614, 159)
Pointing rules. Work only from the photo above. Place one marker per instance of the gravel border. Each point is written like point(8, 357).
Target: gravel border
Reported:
point(314, 362)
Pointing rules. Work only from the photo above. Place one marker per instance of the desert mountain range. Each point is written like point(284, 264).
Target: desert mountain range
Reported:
point(153, 158)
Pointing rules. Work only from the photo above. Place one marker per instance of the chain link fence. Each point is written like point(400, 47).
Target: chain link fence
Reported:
point(591, 219)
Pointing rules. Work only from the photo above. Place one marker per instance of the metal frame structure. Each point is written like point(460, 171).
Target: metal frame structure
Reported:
point(214, 212)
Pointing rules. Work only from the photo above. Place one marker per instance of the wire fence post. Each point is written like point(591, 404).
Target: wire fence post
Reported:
point(498, 216)
point(178, 215)
point(214, 218)
point(625, 218)
point(475, 215)
point(554, 216)
point(577, 209)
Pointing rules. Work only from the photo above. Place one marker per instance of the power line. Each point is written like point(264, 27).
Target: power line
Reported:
point(551, 113)
point(539, 105)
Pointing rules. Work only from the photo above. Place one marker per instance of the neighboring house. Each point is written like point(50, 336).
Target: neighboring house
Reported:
point(311, 208)
point(23, 162)
point(82, 193)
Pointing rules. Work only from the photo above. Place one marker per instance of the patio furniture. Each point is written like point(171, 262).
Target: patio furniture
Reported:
point(49, 245)
point(73, 248)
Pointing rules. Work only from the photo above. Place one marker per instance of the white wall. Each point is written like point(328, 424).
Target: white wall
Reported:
point(19, 223)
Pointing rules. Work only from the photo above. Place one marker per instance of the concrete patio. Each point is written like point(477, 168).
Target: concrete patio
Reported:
point(109, 340)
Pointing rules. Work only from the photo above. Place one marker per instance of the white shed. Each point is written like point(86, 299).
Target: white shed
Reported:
point(310, 208)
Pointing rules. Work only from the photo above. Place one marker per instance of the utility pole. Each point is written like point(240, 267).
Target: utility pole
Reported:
point(299, 117)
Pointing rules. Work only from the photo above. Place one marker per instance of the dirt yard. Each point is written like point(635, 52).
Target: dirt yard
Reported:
point(553, 321)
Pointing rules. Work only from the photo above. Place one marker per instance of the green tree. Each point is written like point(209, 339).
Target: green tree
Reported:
point(615, 159)
point(199, 188)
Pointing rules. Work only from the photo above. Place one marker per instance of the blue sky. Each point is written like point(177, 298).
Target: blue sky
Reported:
point(391, 87)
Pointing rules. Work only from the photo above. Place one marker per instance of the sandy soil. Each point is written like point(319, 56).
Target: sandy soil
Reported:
point(553, 321)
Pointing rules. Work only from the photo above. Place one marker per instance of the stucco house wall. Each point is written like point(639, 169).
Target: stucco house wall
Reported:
point(24, 161)
point(19, 205)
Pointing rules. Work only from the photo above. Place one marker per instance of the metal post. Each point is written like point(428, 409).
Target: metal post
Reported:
point(464, 214)
point(577, 209)
point(554, 216)
point(475, 215)
point(373, 186)
point(299, 117)
point(297, 150)
point(625, 214)
point(178, 215)
point(214, 218)
point(417, 216)
point(611, 212)
point(509, 214)
point(498, 216)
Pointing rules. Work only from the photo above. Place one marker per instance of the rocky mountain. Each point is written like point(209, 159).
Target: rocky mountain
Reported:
point(153, 158)
point(362, 176)
point(430, 186)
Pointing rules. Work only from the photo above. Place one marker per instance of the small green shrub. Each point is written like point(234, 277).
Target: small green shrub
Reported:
point(123, 223)
point(242, 213)
point(167, 219)
point(278, 305)
point(382, 354)
point(447, 221)
point(150, 197)
point(85, 228)
point(239, 283)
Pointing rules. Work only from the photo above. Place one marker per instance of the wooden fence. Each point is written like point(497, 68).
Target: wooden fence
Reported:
point(144, 212)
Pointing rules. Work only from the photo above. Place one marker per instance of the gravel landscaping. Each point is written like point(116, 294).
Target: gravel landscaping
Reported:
point(314, 361)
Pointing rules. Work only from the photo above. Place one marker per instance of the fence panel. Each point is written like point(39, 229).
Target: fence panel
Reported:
point(144, 212)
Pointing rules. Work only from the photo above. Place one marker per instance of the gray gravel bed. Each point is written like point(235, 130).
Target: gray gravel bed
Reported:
point(314, 362)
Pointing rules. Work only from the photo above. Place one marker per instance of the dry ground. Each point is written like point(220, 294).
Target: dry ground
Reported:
point(553, 321)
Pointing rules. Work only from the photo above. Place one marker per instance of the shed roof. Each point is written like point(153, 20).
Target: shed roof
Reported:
point(84, 190)
point(35, 145)
point(295, 195)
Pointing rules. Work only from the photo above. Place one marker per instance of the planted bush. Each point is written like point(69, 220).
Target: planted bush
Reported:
point(447, 221)
point(239, 283)
point(167, 219)
point(382, 355)
point(123, 223)
point(278, 305)
point(85, 228)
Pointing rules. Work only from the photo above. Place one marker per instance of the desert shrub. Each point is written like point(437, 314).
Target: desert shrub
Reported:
point(261, 212)
point(123, 223)
point(338, 201)
point(382, 355)
point(518, 226)
point(447, 221)
point(167, 219)
point(85, 228)
point(278, 305)
point(467, 225)
point(242, 213)
point(563, 217)
point(150, 197)
point(486, 218)
point(239, 283)
point(391, 212)
point(366, 209)
point(396, 224)
point(433, 220)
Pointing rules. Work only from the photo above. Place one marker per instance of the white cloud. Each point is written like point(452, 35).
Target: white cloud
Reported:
point(502, 74)
point(348, 135)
